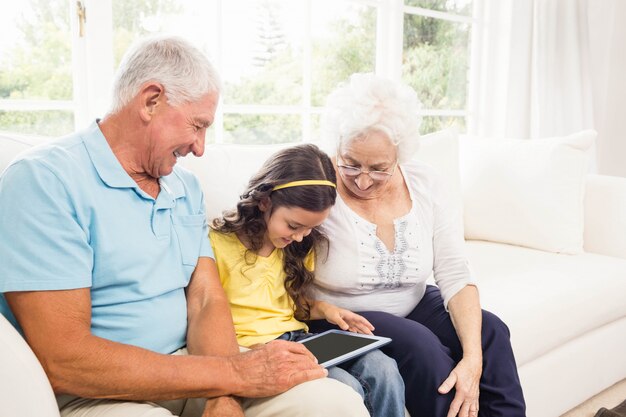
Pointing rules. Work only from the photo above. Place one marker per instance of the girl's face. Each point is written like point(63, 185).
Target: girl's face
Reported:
point(288, 224)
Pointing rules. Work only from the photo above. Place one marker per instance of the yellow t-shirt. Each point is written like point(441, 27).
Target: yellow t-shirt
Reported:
point(261, 308)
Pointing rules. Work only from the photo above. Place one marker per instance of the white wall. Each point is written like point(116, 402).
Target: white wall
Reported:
point(607, 30)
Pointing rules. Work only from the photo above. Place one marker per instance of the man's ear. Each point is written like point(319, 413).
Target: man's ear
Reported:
point(151, 96)
point(265, 204)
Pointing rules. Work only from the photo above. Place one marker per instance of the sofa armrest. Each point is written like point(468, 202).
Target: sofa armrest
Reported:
point(24, 387)
point(605, 215)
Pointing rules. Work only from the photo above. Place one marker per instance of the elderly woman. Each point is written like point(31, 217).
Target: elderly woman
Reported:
point(392, 226)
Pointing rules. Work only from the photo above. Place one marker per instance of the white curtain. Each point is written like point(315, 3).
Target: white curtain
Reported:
point(608, 66)
point(530, 69)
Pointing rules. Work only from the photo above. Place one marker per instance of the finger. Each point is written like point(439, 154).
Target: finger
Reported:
point(293, 348)
point(300, 349)
point(361, 329)
point(358, 320)
point(454, 407)
point(342, 323)
point(366, 329)
point(256, 346)
point(365, 322)
point(448, 384)
point(307, 375)
point(294, 364)
point(473, 412)
point(354, 329)
point(465, 409)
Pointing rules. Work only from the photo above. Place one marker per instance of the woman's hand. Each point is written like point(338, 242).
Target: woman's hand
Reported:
point(465, 377)
point(345, 319)
point(466, 317)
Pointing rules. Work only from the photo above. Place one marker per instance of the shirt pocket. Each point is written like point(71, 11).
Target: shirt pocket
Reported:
point(189, 231)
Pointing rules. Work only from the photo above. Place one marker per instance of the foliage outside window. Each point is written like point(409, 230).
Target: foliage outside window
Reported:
point(37, 66)
point(279, 59)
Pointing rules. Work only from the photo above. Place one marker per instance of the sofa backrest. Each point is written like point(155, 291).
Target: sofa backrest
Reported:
point(11, 146)
point(605, 215)
point(225, 169)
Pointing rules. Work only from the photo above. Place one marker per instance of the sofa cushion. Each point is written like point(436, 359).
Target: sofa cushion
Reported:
point(526, 192)
point(547, 299)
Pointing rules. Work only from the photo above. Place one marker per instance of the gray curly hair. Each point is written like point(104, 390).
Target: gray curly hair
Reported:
point(367, 103)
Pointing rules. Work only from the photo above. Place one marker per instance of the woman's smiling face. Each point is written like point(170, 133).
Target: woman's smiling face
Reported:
point(375, 152)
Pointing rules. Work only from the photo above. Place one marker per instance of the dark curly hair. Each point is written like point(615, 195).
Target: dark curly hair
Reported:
point(301, 162)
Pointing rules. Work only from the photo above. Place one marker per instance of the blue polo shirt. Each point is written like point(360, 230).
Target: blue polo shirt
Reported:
point(71, 217)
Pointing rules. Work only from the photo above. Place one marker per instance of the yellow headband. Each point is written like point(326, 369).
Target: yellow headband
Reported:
point(304, 182)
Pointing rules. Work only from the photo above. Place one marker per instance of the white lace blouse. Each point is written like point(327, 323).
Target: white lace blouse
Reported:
point(361, 274)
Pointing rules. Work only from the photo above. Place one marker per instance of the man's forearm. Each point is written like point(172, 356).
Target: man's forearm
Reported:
point(57, 326)
point(211, 331)
point(210, 324)
point(105, 369)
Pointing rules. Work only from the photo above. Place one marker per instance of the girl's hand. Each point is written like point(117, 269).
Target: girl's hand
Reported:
point(347, 320)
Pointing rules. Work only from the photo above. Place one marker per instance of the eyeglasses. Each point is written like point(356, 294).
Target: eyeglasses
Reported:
point(353, 172)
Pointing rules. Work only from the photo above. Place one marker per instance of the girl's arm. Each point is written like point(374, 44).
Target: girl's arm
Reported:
point(345, 319)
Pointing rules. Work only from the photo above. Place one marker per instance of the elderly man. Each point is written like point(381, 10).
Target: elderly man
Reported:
point(106, 268)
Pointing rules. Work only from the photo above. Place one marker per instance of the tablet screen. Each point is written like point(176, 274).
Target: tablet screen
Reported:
point(335, 346)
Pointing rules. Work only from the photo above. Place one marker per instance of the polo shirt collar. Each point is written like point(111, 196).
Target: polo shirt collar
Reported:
point(111, 171)
point(173, 185)
point(108, 167)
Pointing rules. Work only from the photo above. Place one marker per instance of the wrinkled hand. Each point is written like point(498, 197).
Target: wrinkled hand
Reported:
point(222, 407)
point(465, 377)
point(273, 368)
point(347, 320)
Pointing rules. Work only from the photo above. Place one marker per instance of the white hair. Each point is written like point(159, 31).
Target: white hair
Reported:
point(185, 73)
point(367, 103)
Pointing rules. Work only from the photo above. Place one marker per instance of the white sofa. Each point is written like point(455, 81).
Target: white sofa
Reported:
point(566, 313)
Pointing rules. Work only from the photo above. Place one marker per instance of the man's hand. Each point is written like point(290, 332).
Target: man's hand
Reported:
point(223, 407)
point(273, 368)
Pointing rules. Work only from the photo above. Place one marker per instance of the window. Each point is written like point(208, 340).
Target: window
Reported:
point(36, 88)
point(435, 59)
point(279, 59)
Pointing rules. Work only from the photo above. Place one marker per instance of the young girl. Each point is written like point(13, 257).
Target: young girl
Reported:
point(265, 251)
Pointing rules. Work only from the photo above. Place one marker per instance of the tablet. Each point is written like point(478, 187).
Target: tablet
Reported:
point(335, 346)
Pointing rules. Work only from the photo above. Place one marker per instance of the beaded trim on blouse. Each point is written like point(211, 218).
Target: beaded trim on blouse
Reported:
point(391, 266)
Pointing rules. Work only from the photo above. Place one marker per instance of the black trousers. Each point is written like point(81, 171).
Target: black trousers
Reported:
point(426, 347)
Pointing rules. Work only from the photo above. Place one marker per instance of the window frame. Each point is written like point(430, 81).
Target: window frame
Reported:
point(93, 72)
